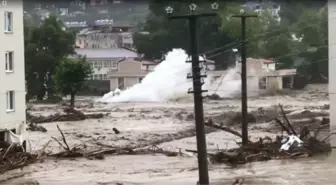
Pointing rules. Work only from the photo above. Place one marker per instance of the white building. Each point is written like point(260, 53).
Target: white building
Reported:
point(332, 66)
point(12, 73)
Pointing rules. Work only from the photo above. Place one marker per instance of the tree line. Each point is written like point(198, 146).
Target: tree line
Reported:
point(49, 69)
point(299, 39)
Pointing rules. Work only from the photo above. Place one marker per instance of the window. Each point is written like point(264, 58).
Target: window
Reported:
point(262, 83)
point(95, 77)
point(99, 64)
point(106, 64)
point(100, 77)
point(104, 76)
point(8, 21)
point(113, 64)
point(121, 84)
point(9, 61)
point(10, 101)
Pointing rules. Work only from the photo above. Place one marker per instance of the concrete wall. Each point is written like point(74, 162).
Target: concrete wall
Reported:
point(128, 82)
point(14, 81)
point(332, 65)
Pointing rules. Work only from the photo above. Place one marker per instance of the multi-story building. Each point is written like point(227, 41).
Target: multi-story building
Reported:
point(12, 73)
point(105, 36)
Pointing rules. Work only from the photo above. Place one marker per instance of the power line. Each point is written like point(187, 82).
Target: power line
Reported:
point(266, 33)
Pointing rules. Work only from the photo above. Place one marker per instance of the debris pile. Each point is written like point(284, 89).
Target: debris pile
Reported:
point(103, 149)
point(292, 145)
point(13, 157)
point(70, 114)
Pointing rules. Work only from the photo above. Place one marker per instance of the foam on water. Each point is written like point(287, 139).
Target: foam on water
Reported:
point(168, 81)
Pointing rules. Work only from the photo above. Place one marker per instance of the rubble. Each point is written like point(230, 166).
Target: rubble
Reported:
point(99, 152)
point(13, 157)
point(35, 127)
point(70, 115)
point(291, 145)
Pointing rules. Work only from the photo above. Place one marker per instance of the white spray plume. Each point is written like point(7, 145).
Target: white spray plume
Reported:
point(168, 81)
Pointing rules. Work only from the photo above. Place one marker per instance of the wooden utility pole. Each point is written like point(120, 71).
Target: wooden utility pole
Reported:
point(243, 18)
point(197, 89)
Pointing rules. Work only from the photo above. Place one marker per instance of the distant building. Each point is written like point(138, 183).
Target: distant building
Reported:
point(129, 73)
point(105, 36)
point(262, 73)
point(104, 60)
point(122, 67)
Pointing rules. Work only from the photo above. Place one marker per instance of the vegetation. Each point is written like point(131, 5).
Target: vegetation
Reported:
point(48, 68)
point(70, 76)
point(298, 40)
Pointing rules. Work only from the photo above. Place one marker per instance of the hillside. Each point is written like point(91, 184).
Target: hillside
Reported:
point(124, 13)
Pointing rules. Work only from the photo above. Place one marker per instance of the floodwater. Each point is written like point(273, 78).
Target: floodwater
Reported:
point(152, 170)
point(145, 122)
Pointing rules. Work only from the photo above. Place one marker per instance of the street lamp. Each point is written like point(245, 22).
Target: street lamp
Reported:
point(197, 78)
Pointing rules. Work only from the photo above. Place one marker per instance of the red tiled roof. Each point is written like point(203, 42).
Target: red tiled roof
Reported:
point(268, 61)
point(148, 62)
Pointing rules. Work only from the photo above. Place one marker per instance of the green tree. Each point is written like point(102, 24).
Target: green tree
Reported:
point(45, 46)
point(314, 42)
point(70, 76)
point(258, 30)
point(166, 34)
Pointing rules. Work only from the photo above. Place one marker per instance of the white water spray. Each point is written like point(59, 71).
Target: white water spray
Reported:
point(168, 81)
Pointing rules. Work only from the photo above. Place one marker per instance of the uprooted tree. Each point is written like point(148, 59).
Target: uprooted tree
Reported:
point(70, 76)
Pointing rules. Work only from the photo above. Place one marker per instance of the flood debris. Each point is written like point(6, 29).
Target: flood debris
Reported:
point(292, 144)
point(35, 127)
point(101, 150)
point(12, 156)
point(70, 114)
point(116, 131)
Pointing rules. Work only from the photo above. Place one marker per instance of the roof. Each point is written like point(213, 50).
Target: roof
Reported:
point(106, 53)
point(148, 62)
point(268, 61)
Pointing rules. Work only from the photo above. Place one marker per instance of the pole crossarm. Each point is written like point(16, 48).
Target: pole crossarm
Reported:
point(197, 90)
point(190, 16)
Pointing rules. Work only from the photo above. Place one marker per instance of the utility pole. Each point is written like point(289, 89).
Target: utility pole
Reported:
point(243, 18)
point(197, 89)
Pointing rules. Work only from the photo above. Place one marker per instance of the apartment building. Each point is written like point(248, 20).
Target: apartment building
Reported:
point(332, 66)
point(105, 36)
point(12, 73)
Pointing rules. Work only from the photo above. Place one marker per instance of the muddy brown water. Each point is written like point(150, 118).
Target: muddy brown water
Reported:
point(163, 170)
